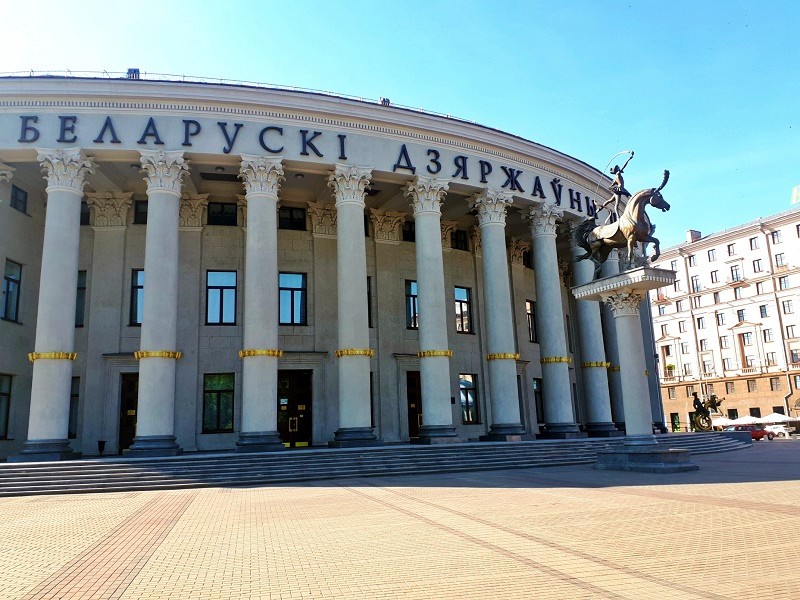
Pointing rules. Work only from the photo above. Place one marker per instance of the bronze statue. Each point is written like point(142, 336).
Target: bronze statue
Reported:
point(703, 410)
point(633, 226)
point(618, 190)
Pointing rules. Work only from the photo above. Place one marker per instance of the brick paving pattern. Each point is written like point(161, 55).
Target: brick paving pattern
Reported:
point(566, 532)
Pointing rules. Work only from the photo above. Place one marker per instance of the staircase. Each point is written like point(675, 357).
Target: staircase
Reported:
point(229, 469)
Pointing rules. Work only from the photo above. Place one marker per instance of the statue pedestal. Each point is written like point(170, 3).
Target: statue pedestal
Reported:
point(640, 450)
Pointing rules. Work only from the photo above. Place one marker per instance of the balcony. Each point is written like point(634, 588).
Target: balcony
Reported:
point(736, 281)
point(750, 370)
point(662, 299)
point(794, 366)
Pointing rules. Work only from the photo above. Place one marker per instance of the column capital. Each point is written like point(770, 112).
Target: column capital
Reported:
point(516, 248)
point(491, 206)
point(427, 194)
point(110, 208)
point(65, 167)
point(386, 225)
point(323, 219)
point(261, 174)
point(543, 218)
point(625, 304)
point(191, 210)
point(6, 172)
point(165, 170)
point(349, 183)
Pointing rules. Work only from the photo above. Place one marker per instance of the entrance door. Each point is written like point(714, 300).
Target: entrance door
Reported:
point(414, 395)
point(129, 401)
point(294, 408)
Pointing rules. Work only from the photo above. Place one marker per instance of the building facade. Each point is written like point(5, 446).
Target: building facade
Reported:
point(730, 326)
point(216, 267)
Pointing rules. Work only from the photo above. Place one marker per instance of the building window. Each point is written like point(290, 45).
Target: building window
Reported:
point(714, 276)
point(74, 399)
point(530, 312)
point(459, 240)
point(661, 310)
point(757, 266)
point(723, 341)
point(679, 306)
point(776, 237)
point(85, 212)
point(687, 369)
point(19, 199)
point(716, 297)
point(221, 298)
point(783, 283)
point(731, 249)
point(753, 243)
point(767, 333)
point(794, 356)
point(740, 315)
point(695, 283)
point(712, 255)
point(689, 391)
point(222, 213)
point(692, 260)
point(463, 310)
point(369, 302)
point(9, 307)
point(140, 212)
point(737, 293)
point(755, 412)
point(759, 288)
point(708, 367)
point(771, 359)
point(747, 339)
point(736, 273)
point(779, 409)
point(671, 393)
point(796, 383)
point(292, 298)
point(469, 399)
point(696, 301)
point(80, 301)
point(779, 260)
point(729, 387)
point(675, 421)
point(763, 311)
point(786, 305)
point(527, 259)
point(720, 319)
point(664, 331)
point(727, 365)
point(5, 404)
point(673, 265)
point(684, 348)
point(409, 232)
point(733, 413)
point(682, 326)
point(703, 345)
point(790, 331)
point(218, 402)
point(292, 218)
point(676, 287)
point(751, 386)
point(412, 305)
point(137, 297)
point(701, 322)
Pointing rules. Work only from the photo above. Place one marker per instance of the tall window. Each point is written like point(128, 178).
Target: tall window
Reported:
point(701, 322)
point(463, 310)
point(714, 276)
point(74, 399)
point(716, 297)
point(5, 404)
point(222, 213)
point(217, 402)
point(703, 345)
point(787, 307)
point(712, 255)
point(696, 301)
point(720, 319)
point(776, 236)
point(19, 199)
point(747, 339)
point(779, 260)
point(9, 307)
point(530, 313)
point(409, 232)
point(664, 331)
point(790, 331)
point(740, 315)
point(736, 273)
point(757, 266)
point(221, 298)
point(459, 240)
point(369, 301)
point(469, 398)
point(692, 260)
point(730, 386)
point(673, 265)
point(140, 212)
point(767, 333)
point(678, 305)
point(783, 282)
point(763, 310)
point(292, 297)
point(80, 303)
point(737, 292)
point(759, 288)
point(727, 364)
point(412, 305)
point(751, 386)
point(723, 341)
point(684, 348)
point(695, 283)
point(753, 243)
point(794, 356)
point(662, 310)
point(772, 359)
point(682, 326)
point(85, 213)
point(797, 382)
point(292, 218)
point(731, 249)
point(137, 297)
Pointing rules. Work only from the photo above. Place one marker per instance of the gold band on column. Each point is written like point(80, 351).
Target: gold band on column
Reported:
point(503, 356)
point(355, 352)
point(594, 364)
point(32, 356)
point(555, 359)
point(258, 352)
point(614, 368)
point(140, 354)
point(647, 372)
point(432, 353)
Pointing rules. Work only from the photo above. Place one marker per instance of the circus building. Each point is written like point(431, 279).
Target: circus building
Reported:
point(193, 266)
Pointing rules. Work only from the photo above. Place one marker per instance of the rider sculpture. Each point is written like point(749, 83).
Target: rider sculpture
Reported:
point(631, 227)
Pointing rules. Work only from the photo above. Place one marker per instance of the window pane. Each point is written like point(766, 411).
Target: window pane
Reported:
point(299, 317)
point(222, 278)
point(5, 384)
point(210, 412)
point(13, 270)
point(292, 280)
point(462, 294)
point(285, 306)
point(226, 410)
point(139, 305)
point(138, 277)
point(212, 314)
point(4, 404)
point(218, 381)
point(229, 306)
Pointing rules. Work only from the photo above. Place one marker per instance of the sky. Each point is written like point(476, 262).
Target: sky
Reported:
point(708, 90)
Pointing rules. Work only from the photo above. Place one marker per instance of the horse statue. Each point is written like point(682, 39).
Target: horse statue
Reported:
point(633, 226)
point(702, 411)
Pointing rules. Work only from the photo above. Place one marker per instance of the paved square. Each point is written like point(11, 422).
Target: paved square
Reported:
point(567, 532)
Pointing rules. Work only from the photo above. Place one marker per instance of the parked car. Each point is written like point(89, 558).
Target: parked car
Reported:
point(780, 430)
point(755, 432)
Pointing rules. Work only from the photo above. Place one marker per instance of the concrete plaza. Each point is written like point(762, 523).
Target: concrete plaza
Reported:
point(726, 531)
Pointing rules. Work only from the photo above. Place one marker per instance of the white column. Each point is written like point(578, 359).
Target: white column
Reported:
point(556, 387)
point(426, 196)
point(157, 355)
point(259, 429)
point(594, 367)
point(635, 394)
point(66, 170)
point(610, 268)
point(349, 185)
point(502, 356)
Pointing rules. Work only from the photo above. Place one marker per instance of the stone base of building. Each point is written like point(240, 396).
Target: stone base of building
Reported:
point(437, 434)
point(45, 450)
point(645, 458)
point(603, 430)
point(354, 437)
point(504, 432)
point(259, 441)
point(150, 446)
point(561, 431)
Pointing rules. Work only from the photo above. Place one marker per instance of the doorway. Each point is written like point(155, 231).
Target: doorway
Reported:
point(414, 396)
point(129, 402)
point(294, 408)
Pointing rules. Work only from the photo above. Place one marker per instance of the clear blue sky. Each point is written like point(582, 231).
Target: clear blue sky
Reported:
point(707, 89)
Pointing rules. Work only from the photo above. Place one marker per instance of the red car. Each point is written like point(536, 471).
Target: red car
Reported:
point(755, 432)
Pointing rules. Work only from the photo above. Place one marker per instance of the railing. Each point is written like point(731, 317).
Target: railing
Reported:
point(794, 366)
point(749, 370)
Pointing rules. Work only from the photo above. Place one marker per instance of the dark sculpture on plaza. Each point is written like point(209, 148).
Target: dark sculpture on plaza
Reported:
point(631, 227)
point(702, 411)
